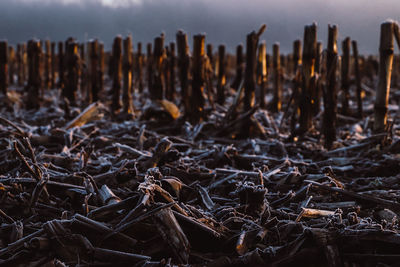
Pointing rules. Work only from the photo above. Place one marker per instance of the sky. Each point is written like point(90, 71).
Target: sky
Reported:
point(224, 21)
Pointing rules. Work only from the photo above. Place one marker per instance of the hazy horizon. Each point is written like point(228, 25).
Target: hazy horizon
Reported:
point(224, 22)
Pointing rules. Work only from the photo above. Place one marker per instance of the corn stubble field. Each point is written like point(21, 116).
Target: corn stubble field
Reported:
point(188, 155)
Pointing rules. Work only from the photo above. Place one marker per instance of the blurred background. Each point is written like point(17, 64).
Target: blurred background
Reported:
point(224, 21)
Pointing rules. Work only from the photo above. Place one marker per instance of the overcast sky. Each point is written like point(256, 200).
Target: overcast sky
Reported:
point(224, 21)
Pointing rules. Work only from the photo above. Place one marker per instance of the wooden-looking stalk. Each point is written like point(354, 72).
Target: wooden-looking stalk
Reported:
point(221, 75)
point(297, 73)
point(34, 73)
point(318, 58)
point(317, 94)
point(149, 66)
point(212, 70)
point(157, 90)
point(11, 64)
point(93, 51)
point(196, 97)
point(277, 78)
point(47, 64)
point(116, 78)
point(127, 76)
point(53, 65)
point(83, 71)
point(24, 62)
point(20, 65)
point(239, 67)
point(345, 73)
point(296, 55)
point(61, 66)
point(139, 67)
point(250, 70)
point(307, 90)
point(262, 73)
point(183, 67)
point(358, 79)
point(386, 49)
point(330, 105)
point(170, 94)
point(210, 54)
point(3, 66)
point(72, 71)
point(101, 67)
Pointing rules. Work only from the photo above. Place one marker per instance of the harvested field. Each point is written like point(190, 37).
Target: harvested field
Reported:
point(193, 156)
